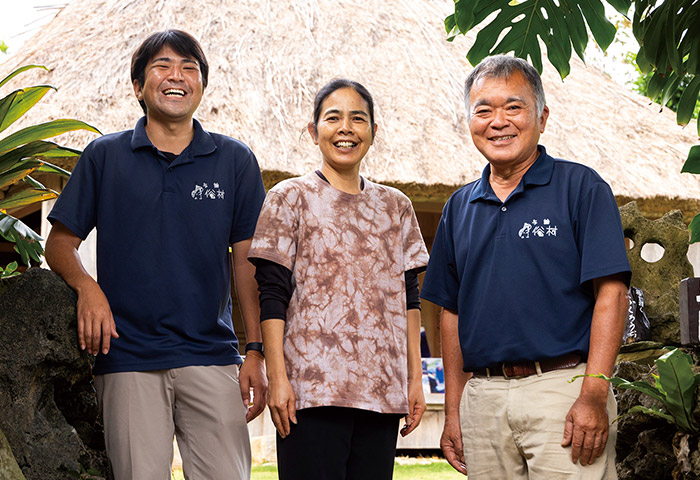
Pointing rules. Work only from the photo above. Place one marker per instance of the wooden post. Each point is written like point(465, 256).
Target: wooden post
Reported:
point(690, 310)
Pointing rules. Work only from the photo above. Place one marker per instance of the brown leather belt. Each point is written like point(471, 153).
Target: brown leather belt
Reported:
point(527, 368)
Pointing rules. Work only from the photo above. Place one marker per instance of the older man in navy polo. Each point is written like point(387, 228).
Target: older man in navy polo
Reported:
point(169, 200)
point(530, 268)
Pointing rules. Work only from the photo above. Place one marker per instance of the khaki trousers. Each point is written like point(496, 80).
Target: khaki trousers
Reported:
point(512, 429)
point(200, 405)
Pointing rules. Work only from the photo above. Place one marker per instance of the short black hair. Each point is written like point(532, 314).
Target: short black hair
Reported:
point(337, 84)
point(182, 42)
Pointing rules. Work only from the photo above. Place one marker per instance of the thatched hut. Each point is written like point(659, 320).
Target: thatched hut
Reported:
point(268, 59)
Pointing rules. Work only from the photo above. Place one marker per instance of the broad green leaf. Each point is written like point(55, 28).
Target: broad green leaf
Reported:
point(51, 168)
point(603, 31)
point(10, 159)
point(639, 386)
point(669, 88)
point(577, 28)
point(6, 103)
point(450, 24)
point(22, 102)
point(656, 85)
point(34, 183)
point(60, 152)
point(694, 227)
point(27, 197)
point(15, 174)
point(27, 241)
point(18, 71)
point(464, 14)
point(622, 6)
point(686, 105)
point(42, 131)
point(678, 381)
point(654, 411)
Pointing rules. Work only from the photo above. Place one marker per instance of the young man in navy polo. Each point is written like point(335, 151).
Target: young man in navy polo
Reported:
point(168, 199)
point(530, 266)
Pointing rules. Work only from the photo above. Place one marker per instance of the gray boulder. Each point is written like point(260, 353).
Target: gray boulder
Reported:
point(48, 404)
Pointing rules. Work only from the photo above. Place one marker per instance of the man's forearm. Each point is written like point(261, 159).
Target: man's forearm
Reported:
point(607, 327)
point(63, 258)
point(452, 362)
point(247, 290)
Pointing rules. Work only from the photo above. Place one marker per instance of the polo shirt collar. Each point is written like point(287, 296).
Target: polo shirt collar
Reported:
point(540, 173)
point(202, 143)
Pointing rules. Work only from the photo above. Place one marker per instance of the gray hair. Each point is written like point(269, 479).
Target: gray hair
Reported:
point(503, 66)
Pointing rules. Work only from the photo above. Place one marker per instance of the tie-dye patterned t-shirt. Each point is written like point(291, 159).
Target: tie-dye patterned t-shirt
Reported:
point(345, 336)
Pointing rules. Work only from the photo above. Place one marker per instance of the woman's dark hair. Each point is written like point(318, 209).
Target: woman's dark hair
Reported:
point(182, 42)
point(337, 84)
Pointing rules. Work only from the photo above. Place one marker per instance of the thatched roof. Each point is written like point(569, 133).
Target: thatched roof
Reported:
point(268, 58)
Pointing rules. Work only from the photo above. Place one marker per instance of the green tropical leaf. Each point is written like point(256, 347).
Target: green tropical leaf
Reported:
point(51, 168)
point(464, 14)
point(686, 105)
point(16, 174)
point(654, 411)
point(621, 383)
point(18, 71)
point(622, 6)
point(10, 159)
point(694, 228)
point(22, 101)
point(603, 31)
point(42, 131)
point(27, 241)
point(692, 163)
point(27, 197)
point(678, 381)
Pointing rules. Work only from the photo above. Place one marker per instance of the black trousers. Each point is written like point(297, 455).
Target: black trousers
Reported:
point(336, 443)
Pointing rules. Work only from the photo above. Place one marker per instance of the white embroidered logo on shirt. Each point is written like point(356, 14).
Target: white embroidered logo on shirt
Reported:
point(204, 191)
point(538, 231)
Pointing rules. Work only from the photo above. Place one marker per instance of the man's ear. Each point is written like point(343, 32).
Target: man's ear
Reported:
point(138, 91)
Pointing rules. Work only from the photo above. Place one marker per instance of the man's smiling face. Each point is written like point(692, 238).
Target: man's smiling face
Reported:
point(172, 88)
point(503, 120)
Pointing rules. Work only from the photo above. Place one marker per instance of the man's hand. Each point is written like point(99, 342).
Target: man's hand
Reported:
point(282, 404)
point(95, 322)
point(416, 407)
point(252, 376)
point(586, 429)
point(451, 445)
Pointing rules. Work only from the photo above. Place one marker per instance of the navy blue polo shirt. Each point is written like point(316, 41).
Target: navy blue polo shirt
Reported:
point(518, 273)
point(163, 234)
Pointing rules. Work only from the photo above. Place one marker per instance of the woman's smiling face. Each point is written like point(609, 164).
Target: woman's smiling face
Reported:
point(344, 131)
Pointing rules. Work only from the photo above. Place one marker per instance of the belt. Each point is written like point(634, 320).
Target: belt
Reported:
point(527, 368)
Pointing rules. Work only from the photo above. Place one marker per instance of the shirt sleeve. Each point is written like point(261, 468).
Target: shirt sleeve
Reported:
point(250, 194)
point(77, 205)
point(275, 287)
point(275, 236)
point(600, 237)
point(441, 283)
point(415, 253)
point(412, 289)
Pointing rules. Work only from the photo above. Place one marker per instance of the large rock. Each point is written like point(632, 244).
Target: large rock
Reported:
point(659, 280)
point(48, 404)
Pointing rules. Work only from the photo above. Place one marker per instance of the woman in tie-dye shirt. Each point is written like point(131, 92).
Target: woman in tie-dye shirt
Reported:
point(337, 259)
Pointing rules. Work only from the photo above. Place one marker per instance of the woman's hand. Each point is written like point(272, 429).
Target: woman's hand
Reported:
point(282, 403)
point(416, 407)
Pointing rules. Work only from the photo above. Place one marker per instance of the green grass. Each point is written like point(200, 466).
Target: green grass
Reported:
point(437, 469)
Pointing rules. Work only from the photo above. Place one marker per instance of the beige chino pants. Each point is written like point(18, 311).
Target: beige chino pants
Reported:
point(200, 405)
point(512, 429)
